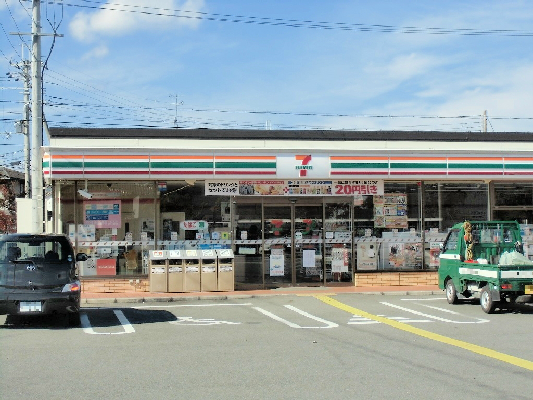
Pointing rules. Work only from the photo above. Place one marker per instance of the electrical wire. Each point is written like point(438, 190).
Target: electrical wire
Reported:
point(296, 23)
point(9, 41)
point(118, 107)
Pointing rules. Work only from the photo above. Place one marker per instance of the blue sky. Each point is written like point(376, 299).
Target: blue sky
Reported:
point(285, 64)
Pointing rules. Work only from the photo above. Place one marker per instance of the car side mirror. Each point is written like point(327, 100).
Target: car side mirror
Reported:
point(81, 257)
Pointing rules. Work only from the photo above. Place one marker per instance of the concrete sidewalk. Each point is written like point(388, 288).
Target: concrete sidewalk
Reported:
point(143, 297)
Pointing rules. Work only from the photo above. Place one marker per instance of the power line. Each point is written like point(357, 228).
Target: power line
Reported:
point(9, 41)
point(157, 117)
point(296, 23)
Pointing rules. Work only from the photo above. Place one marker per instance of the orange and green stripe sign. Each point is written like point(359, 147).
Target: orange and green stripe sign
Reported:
point(241, 166)
point(468, 166)
point(437, 166)
point(58, 166)
point(521, 166)
point(171, 166)
point(359, 165)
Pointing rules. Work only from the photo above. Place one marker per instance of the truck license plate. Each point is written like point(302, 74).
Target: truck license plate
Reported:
point(30, 306)
point(529, 289)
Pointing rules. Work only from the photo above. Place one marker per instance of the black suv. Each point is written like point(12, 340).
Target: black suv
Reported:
point(38, 276)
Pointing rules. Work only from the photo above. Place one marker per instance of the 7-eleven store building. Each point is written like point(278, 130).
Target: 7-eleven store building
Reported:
point(296, 207)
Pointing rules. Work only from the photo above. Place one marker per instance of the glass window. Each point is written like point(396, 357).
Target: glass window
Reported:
point(278, 254)
point(397, 209)
point(448, 203)
point(338, 247)
point(50, 249)
point(513, 194)
point(117, 214)
point(452, 240)
point(513, 201)
point(248, 253)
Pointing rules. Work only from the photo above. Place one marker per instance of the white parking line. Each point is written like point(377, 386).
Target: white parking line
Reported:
point(126, 326)
point(328, 324)
point(428, 299)
point(357, 320)
point(200, 321)
point(194, 305)
point(478, 320)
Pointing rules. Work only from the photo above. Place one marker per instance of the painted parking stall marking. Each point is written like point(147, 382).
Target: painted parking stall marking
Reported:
point(327, 324)
point(358, 320)
point(126, 325)
point(435, 317)
point(484, 351)
point(190, 321)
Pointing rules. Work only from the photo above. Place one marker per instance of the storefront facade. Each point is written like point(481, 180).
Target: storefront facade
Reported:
point(297, 207)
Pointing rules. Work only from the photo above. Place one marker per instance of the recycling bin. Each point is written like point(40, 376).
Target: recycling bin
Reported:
point(176, 271)
point(208, 274)
point(191, 279)
point(226, 270)
point(158, 271)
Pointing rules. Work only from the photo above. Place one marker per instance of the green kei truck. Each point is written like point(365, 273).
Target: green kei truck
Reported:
point(485, 260)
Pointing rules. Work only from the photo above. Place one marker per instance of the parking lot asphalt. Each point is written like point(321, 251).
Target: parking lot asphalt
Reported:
point(142, 297)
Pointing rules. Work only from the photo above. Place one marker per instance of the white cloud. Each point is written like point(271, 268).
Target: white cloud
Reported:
point(503, 91)
point(408, 66)
point(135, 15)
point(7, 3)
point(97, 52)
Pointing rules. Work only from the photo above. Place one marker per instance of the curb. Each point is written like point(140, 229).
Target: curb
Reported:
point(215, 297)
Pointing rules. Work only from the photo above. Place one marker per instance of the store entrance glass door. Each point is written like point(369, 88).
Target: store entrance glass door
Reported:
point(308, 244)
point(278, 228)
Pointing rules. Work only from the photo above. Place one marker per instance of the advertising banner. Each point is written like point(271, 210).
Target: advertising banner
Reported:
point(277, 265)
point(390, 211)
point(299, 187)
point(103, 213)
point(339, 260)
point(106, 266)
point(367, 253)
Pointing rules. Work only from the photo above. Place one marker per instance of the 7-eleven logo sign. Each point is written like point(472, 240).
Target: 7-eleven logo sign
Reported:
point(304, 166)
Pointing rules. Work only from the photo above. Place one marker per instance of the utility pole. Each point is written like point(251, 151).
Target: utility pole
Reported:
point(485, 121)
point(35, 167)
point(23, 126)
point(176, 104)
point(37, 122)
point(26, 127)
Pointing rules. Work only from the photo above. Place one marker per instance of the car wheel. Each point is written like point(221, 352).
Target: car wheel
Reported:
point(488, 305)
point(451, 292)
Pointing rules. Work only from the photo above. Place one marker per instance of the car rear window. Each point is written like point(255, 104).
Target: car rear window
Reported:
point(49, 249)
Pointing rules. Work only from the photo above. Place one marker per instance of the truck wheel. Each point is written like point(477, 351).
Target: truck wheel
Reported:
point(485, 300)
point(451, 292)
